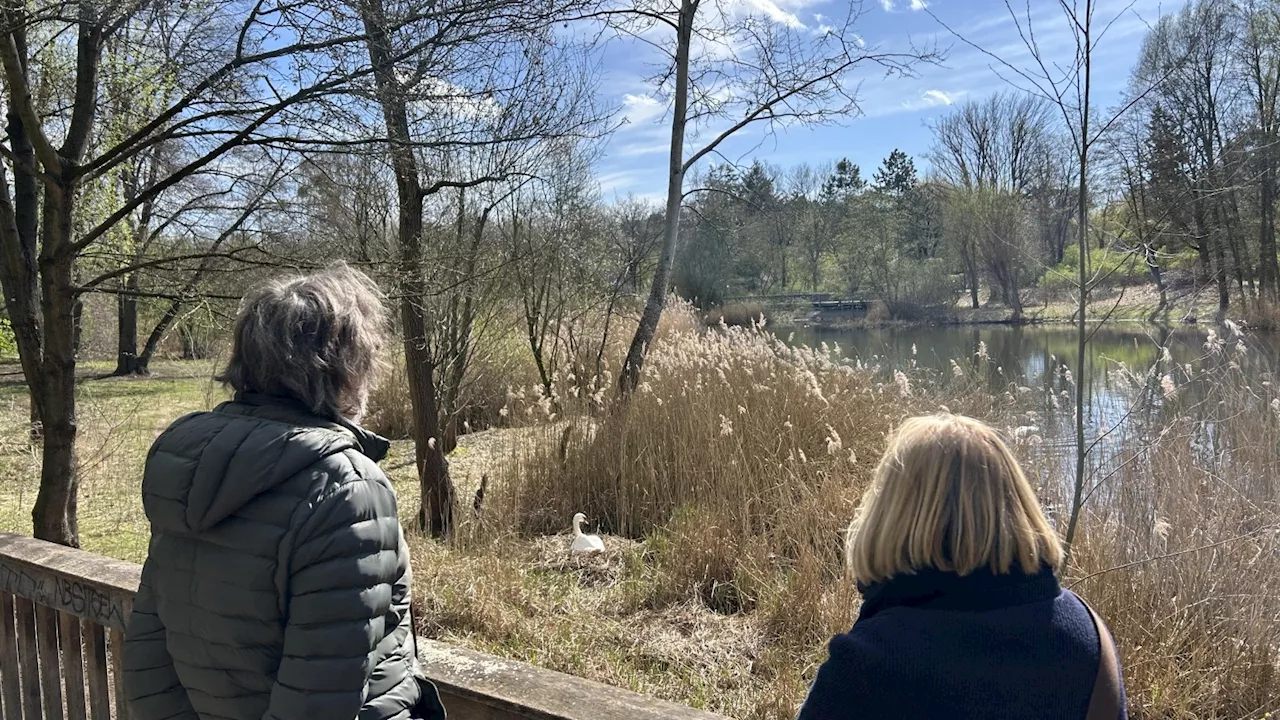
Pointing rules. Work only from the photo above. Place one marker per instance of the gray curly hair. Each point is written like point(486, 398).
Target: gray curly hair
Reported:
point(316, 339)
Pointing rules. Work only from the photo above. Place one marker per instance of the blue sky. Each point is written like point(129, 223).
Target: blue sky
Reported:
point(895, 111)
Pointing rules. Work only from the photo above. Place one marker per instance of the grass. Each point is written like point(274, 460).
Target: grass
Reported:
point(723, 487)
point(118, 419)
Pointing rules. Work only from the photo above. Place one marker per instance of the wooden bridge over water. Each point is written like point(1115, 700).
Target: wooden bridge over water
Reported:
point(62, 621)
point(818, 301)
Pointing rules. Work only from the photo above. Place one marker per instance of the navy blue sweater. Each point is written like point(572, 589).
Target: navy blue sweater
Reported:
point(937, 645)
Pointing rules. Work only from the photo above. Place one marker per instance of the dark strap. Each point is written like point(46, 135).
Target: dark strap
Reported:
point(1104, 704)
point(429, 706)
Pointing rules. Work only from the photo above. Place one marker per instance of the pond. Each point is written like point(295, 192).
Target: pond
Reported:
point(1037, 362)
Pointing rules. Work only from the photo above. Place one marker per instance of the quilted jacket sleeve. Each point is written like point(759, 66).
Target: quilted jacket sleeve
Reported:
point(150, 682)
point(342, 569)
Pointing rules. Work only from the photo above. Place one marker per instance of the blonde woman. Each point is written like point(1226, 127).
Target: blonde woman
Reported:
point(962, 614)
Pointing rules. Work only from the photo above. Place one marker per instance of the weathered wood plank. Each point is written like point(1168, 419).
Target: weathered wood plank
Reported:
point(487, 687)
point(28, 662)
point(72, 665)
point(10, 688)
point(50, 661)
point(86, 585)
point(121, 706)
point(100, 591)
point(95, 653)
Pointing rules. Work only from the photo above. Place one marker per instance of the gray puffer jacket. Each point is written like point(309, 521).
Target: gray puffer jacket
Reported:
point(277, 584)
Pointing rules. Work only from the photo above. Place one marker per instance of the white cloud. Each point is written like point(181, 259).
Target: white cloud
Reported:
point(892, 5)
point(880, 102)
point(612, 182)
point(640, 109)
point(639, 149)
point(777, 14)
point(933, 98)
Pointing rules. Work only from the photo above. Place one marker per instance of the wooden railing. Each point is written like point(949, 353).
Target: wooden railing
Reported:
point(62, 620)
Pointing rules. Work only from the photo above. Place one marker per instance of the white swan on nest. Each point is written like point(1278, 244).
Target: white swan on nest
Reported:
point(584, 543)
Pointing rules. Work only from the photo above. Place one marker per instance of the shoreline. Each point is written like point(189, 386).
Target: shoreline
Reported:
point(1132, 308)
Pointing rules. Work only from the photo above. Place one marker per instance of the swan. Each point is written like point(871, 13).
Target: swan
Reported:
point(584, 543)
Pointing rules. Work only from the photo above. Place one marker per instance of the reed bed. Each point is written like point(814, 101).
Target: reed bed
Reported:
point(740, 460)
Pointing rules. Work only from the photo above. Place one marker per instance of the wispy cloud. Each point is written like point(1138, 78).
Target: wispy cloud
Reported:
point(612, 182)
point(918, 4)
point(630, 150)
point(882, 103)
point(887, 5)
point(771, 10)
point(931, 98)
point(641, 109)
point(936, 97)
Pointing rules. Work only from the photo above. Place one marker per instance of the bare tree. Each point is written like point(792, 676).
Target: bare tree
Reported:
point(347, 201)
point(1067, 86)
point(1002, 151)
point(728, 68)
point(1261, 60)
point(238, 83)
point(1186, 65)
point(808, 219)
point(487, 74)
point(1002, 143)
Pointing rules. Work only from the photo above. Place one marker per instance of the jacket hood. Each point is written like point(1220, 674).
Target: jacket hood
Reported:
point(208, 465)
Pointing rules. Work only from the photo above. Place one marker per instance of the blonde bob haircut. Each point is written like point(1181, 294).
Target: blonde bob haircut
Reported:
point(948, 494)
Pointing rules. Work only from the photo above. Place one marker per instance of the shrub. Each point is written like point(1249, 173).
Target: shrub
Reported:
point(878, 312)
point(1262, 315)
point(744, 315)
point(389, 412)
point(480, 399)
point(1113, 267)
point(8, 344)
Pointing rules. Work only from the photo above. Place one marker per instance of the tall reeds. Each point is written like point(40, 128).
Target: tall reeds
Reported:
point(740, 460)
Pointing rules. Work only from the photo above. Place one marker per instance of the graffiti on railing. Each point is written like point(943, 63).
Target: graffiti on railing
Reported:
point(70, 595)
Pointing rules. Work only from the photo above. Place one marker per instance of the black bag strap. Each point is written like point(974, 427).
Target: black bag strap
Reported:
point(1104, 703)
point(429, 706)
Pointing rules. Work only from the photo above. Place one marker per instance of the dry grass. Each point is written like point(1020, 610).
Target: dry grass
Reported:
point(118, 419)
point(740, 460)
point(1181, 549)
point(723, 488)
point(738, 314)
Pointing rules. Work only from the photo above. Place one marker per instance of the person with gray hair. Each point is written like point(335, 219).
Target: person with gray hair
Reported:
point(277, 583)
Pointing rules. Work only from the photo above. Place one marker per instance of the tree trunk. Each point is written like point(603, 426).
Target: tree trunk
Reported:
point(1229, 218)
point(1082, 299)
point(1153, 267)
point(54, 515)
point(127, 328)
point(1268, 264)
point(1220, 277)
point(629, 378)
point(19, 270)
point(142, 365)
point(435, 515)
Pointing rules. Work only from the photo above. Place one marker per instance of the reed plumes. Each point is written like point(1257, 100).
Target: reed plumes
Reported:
point(1181, 544)
point(739, 461)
